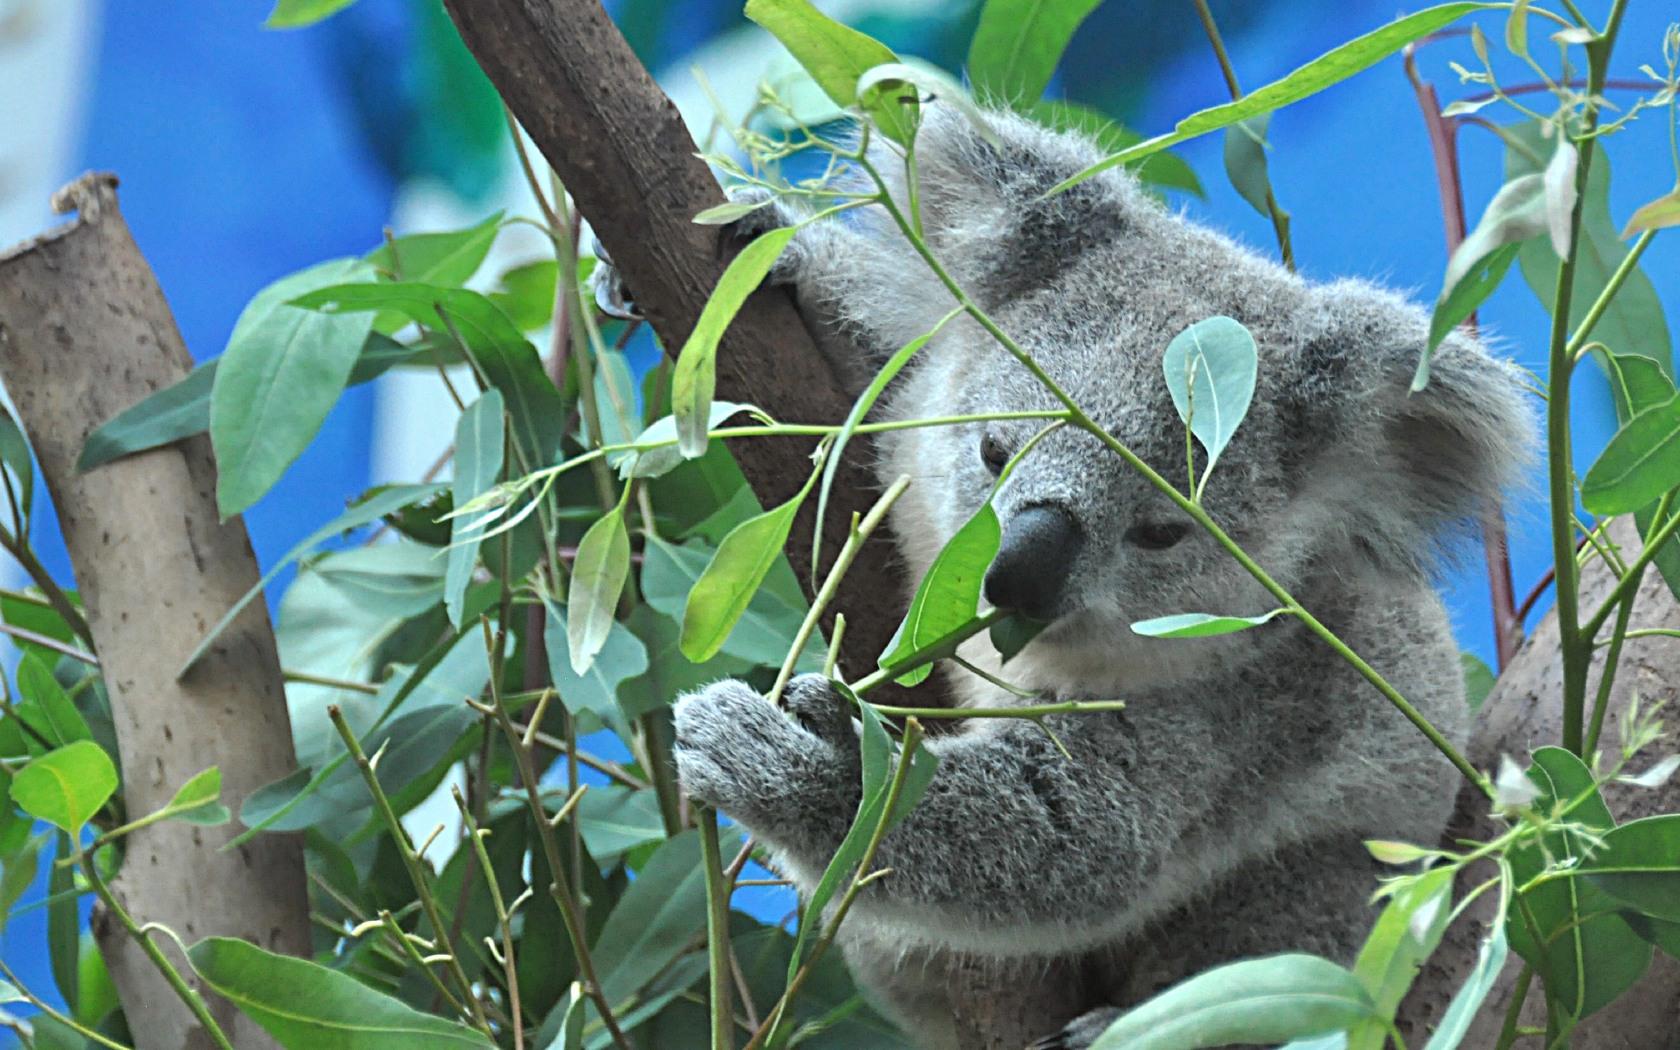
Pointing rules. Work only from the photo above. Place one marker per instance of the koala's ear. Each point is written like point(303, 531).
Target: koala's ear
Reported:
point(982, 197)
point(1399, 469)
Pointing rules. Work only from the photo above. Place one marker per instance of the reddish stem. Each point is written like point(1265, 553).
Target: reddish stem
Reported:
point(1443, 145)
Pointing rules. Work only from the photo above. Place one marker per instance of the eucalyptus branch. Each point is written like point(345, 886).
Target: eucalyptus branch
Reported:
point(504, 917)
point(560, 887)
point(411, 861)
point(861, 877)
point(54, 594)
point(64, 1019)
point(142, 936)
point(860, 532)
point(1077, 417)
point(717, 929)
point(1280, 223)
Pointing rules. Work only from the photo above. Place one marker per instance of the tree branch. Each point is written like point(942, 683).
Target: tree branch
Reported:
point(84, 333)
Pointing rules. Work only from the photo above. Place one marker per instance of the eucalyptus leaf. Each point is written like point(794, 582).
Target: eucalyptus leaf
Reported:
point(295, 14)
point(14, 452)
point(1200, 625)
point(199, 800)
point(620, 657)
point(1330, 68)
point(725, 590)
point(1561, 194)
point(1404, 936)
point(306, 1006)
point(1018, 44)
point(694, 379)
point(1639, 863)
point(1245, 165)
point(1641, 462)
point(283, 370)
point(1654, 215)
point(1449, 1033)
point(835, 56)
point(1211, 368)
point(447, 258)
point(599, 572)
point(949, 594)
point(1457, 303)
point(478, 463)
point(1268, 1000)
point(1162, 169)
point(66, 786)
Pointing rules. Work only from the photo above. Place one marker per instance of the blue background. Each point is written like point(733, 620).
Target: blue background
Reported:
point(246, 154)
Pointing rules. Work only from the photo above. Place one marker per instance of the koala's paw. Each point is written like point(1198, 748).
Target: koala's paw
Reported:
point(737, 752)
point(1080, 1032)
point(612, 296)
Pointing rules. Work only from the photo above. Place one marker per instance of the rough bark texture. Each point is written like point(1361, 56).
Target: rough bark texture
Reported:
point(85, 332)
point(1524, 712)
point(621, 148)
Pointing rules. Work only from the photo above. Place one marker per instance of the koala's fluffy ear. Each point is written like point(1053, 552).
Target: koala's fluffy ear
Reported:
point(1398, 470)
point(983, 205)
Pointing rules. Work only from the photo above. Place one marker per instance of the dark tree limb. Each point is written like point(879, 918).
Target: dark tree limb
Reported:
point(628, 160)
point(85, 332)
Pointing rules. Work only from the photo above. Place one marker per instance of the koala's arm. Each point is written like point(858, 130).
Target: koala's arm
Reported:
point(1010, 833)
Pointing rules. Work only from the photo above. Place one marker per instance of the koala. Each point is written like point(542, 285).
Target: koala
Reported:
point(1220, 815)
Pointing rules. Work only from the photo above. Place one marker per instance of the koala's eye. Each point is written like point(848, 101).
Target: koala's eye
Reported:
point(993, 454)
point(1157, 536)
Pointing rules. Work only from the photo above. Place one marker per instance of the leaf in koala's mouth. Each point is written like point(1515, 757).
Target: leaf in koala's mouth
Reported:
point(1011, 634)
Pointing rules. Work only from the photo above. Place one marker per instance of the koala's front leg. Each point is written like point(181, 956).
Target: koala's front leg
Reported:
point(1019, 845)
point(791, 778)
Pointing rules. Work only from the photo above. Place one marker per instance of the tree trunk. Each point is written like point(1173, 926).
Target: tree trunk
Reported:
point(625, 155)
point(85, 332)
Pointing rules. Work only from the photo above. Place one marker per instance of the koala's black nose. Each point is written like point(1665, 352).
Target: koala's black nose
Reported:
point(1038, 547)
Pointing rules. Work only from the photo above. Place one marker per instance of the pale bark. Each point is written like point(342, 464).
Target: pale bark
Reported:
point(85, 332)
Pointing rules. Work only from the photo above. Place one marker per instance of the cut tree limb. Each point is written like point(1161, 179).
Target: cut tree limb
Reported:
point(85, 332)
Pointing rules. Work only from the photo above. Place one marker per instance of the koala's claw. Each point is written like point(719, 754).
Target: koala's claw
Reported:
point(1080, 1032)
point(821, 710)
point(612, 296)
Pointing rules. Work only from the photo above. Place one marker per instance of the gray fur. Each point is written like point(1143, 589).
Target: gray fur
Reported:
point(1220, 814)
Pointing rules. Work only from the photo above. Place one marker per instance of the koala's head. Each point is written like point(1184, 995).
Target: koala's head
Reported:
point(1338, 471)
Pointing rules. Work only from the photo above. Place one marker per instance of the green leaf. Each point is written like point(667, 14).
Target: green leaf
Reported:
point(1266, 1000)
point(1639, 383)
point(305, 1006)
point(1245, 164)
point(182, 410)
point(46, 707)
point(1405, 934)
point(198, 801)
point(1591, 955)
point(526, 293)
point(18, 871)
point(1468, 999)
point(901, 84)
point(502, 353)
point(294, 14)
point(949, 595)
point(9, 993)
point(1199, 625)
point(615, 819)
point(1479, 679)
point(1655, 215)
point(1332, 67)
point(478, 463)
point(619, 658)
point(1639, 863)
point(1634, 321)
point(598, 574)
point(14, 452)
point(1638, 465)
point(438, 258)
point(834, 55)
point(724, 591)
point(1012, 633)
point(764, 632)
point(657, 917)
point(64, 928)
point(1017, 45)
point(663, 459)
point(378, 505)
point(694, 379)
point(1163, 169)
point(1457, 303)
point(728, 212)
point(66, 786)
point(283, 370)
point(1211, 368)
